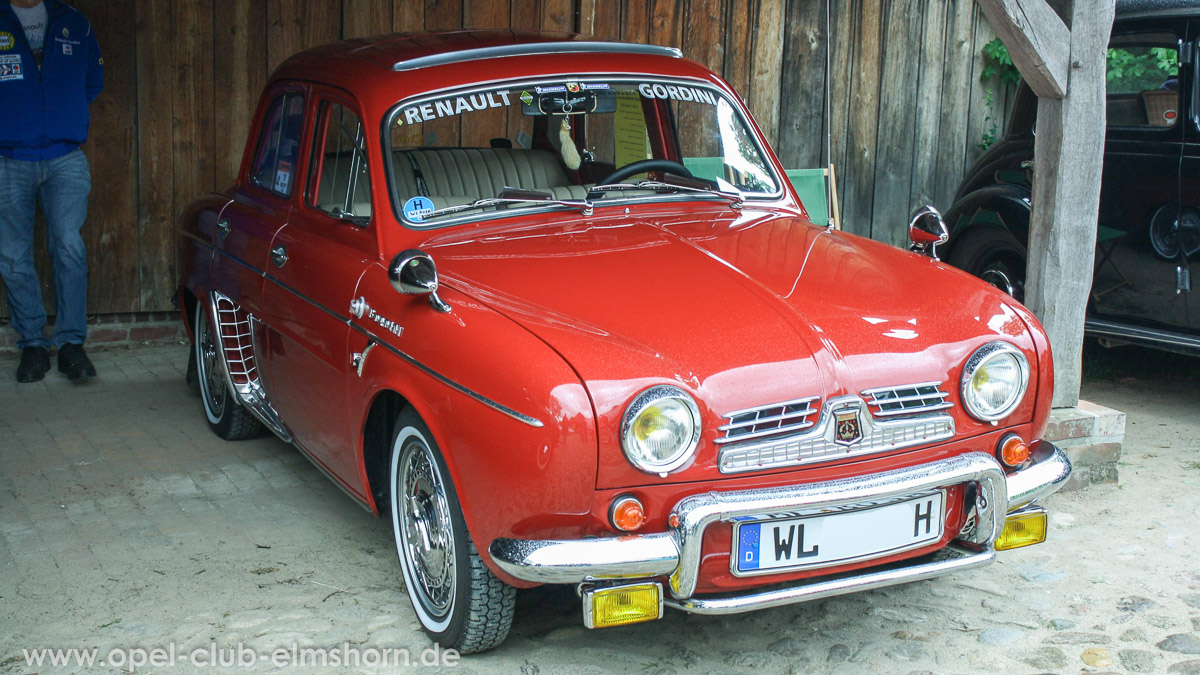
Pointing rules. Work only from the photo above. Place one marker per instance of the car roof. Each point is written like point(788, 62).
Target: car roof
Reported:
point(407, 51)
point(1127, 9)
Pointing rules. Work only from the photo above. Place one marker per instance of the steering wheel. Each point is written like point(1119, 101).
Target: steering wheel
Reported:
point(644, 165)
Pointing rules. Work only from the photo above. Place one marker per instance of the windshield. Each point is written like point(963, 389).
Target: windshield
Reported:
point(489, 152)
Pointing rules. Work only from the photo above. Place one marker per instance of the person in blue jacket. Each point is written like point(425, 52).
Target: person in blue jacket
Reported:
point(51, 69)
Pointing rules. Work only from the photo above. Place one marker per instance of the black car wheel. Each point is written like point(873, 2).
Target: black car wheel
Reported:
point(460, 603)
point(226, 417)
point(994, 255)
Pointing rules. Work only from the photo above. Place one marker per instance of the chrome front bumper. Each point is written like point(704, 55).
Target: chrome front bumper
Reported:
point(676, 553)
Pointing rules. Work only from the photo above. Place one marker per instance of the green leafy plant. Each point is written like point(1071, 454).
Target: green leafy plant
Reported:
point(1139, 68)
point(999, 64)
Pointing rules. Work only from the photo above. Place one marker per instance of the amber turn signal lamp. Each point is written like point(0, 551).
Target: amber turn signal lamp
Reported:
point(1023, 528)
point(1013, 451)
point(627, 514)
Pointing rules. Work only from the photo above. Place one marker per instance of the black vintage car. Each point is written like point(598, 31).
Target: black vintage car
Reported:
point(1148, 241)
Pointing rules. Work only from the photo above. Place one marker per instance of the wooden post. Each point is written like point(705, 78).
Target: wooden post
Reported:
point(1066, 69)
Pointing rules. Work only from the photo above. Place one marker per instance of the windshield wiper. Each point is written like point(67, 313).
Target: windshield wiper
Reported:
point(515, 196)
point(726, 190)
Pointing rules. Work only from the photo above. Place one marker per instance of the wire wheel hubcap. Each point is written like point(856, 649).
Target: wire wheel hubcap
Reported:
point(426, 527)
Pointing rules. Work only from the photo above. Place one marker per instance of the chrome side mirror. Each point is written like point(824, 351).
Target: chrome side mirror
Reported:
point(412, 272)
point(927, 230)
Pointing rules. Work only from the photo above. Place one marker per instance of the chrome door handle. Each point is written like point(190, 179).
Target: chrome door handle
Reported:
point(279, 255)
point(223, 228)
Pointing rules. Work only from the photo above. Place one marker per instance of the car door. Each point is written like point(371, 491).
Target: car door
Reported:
point(1135, 271)
point(316, 262)
point(1189, 184)
point(261, 205)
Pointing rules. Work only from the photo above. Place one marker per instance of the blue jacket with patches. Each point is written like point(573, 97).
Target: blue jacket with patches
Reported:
point(44, 114)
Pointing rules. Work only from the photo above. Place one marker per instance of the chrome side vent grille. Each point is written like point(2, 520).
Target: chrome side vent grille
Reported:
point(908, 399)
point(768, 420)
point(233, 325)
point(236, 329)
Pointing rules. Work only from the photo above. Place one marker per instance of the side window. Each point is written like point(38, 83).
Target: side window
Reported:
point(274, 165)
point(1143, 81)
point(340, 182)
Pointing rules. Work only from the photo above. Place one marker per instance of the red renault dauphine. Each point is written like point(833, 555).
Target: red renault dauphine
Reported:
point(552, 304)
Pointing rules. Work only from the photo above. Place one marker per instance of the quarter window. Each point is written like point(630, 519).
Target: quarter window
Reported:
point(340, 183)
point(1143, 81)
point(274, 166)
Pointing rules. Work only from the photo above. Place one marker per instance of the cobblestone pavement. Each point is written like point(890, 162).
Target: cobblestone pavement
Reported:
point(125, 523)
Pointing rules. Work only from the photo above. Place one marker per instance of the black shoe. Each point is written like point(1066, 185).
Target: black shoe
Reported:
point(74, 363)
point(35, 361)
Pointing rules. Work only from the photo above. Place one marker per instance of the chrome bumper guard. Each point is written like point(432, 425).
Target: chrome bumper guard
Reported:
point(677, 552)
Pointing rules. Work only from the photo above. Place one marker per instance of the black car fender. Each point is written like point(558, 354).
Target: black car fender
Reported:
point(999, 205)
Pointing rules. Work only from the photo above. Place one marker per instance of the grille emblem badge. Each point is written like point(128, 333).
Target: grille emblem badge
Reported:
point(848, 430)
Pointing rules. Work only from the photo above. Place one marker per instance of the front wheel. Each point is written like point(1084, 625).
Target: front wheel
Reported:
point(995, 256)
point(460, 603)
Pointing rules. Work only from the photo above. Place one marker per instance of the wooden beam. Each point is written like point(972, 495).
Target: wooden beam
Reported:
point(1068, 157)
point(1037, 39)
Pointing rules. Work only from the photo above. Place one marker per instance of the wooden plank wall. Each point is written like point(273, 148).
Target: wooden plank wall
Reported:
point(908, 109)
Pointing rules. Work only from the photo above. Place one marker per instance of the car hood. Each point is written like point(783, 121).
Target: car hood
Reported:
point(741, 309)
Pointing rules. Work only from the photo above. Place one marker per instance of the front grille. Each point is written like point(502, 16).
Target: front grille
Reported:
point(787, 441)
point(908, 399)
point(768, 420)
point(233, 325)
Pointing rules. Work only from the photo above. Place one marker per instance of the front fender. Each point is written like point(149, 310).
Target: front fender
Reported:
point(529, 475)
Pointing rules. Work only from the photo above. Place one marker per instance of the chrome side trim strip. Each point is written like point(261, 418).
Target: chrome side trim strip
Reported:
point(501, 51)
point(531, 421)
point(953, 558)
point(520, 417)
point(1141, 334)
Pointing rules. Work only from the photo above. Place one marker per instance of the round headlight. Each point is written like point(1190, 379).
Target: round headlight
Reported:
point(994, 381)
point(661, 429)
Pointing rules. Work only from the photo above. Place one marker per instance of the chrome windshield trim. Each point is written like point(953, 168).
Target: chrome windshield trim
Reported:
point(535, 49)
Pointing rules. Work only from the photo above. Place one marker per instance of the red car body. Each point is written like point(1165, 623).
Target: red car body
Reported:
point(559, 320)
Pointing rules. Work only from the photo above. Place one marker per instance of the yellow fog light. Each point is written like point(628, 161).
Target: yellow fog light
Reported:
point(1023, 528)
point(620, 605)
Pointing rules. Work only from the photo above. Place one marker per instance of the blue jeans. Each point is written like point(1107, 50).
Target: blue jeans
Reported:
point(62, 186)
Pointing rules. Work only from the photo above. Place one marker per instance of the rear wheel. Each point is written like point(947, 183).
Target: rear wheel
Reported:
point(994, 255)
point(460, 603)
point(226, 417)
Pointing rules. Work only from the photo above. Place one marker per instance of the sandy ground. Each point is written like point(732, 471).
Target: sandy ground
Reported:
point(124, 523)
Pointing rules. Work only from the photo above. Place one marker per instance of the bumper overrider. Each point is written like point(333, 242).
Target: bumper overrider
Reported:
point(676, 553)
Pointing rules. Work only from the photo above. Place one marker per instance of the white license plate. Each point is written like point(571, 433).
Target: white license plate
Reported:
point(818, 541)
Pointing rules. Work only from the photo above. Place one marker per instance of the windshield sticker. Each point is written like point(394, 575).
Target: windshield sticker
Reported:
point(427, 112)
point(526, 97)
point(10, 67)
point(416, 208)
point(677, 93)
point(523, 140)
point(572, 87)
